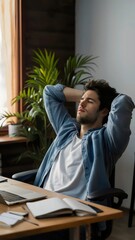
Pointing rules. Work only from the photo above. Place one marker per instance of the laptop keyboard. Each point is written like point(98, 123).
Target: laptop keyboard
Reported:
point(10, 197)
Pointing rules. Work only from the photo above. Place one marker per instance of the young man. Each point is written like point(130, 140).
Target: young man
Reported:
point(85, 150)
point(82, 156)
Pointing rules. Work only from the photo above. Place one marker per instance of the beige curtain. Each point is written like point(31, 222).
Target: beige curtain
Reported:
point(9, 20)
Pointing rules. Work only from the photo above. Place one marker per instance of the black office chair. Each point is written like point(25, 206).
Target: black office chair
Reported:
point(113, 196)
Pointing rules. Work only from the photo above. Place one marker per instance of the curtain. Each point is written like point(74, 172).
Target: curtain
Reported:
point(10, 42)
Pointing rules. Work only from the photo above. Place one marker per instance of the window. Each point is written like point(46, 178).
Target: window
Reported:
point(3, 94)
point(9, 54)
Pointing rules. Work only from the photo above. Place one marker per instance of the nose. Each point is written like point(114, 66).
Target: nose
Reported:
point(83, 103)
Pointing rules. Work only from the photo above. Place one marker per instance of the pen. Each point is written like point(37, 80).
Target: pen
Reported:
point(26, 209)
point(26, 220)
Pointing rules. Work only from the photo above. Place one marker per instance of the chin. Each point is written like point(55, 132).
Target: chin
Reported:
point(80, 120)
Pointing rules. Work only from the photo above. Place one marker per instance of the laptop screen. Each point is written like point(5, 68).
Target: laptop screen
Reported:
point(11, 194)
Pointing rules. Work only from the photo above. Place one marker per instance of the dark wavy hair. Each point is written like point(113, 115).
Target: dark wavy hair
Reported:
point(105, 92)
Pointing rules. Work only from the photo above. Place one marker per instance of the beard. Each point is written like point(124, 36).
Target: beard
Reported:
point(86, 120)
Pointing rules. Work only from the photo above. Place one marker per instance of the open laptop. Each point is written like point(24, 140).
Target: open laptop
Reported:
point(11, 194)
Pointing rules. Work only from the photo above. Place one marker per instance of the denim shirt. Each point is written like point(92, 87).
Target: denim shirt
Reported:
point(101, 148)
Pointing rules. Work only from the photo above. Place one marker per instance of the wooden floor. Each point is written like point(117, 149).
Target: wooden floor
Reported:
point(121, 231)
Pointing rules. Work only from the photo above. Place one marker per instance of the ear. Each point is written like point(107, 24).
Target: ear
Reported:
point(104, 112)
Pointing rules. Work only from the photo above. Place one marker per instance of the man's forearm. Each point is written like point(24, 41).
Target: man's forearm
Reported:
point(72, 95)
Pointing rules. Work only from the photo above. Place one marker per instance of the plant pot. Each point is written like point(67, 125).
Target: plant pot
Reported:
point(14, 130)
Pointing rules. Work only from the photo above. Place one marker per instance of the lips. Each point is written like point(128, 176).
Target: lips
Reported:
point(81, 109)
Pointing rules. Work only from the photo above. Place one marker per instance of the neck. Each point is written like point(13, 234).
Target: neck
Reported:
point(84, 128)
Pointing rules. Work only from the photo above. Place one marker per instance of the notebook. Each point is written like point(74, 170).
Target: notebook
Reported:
point(11, 194)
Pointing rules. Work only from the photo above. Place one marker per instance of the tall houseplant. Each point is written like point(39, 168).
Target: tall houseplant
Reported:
point(36, 126)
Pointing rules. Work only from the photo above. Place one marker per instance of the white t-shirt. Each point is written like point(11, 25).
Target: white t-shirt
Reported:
point(67, 173)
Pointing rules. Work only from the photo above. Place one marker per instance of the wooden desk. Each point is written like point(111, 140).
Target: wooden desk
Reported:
point(10, 150)
point(24, 229)
point(6, 139)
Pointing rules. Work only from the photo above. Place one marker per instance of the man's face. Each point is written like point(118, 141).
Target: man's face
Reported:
point(88, 109)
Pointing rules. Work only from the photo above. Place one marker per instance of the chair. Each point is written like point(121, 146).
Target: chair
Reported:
point(114, 197)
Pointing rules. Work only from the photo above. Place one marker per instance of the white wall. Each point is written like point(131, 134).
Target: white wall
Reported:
point(106, 28)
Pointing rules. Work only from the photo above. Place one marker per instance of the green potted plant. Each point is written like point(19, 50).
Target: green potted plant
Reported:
point(35, 124)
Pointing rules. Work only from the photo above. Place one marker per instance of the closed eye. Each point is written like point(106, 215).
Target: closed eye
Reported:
point(89, 100)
